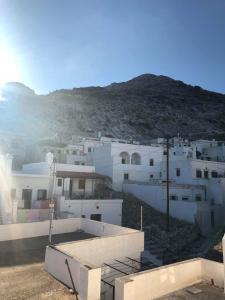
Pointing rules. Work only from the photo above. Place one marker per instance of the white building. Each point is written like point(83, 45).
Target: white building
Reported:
point(196, 193)
point(75, 189)
point(128, 162)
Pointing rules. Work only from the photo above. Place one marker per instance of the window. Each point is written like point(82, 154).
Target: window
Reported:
point(178, 172)
point(81, 184)
point(13, 193)
point(151, 176)
point(125, 176)
point(89, 149)
point(59, 151)
point(173, 197)
point(214, 174)
point(198, 173)
point(151, 162)
point(82, 164)
point(83, 216)
point(59, 183)
point(206, 174)
point(74, 152)
point(76, 162)
point(135, 159)
point(41, 194)
point(198, 198)
point(96, 217)
point(67, 151)
point(125, 158)
point(185, 198)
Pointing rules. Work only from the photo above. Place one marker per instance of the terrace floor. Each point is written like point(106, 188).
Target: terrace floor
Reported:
point(21, 269)
point(206, 292)
point(32, 250)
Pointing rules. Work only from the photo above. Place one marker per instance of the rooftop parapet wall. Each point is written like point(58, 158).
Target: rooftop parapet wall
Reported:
point(34, 229)
point(28, 230)
point(161, 281)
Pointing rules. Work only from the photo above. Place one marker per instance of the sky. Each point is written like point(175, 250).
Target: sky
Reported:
point(53, 44)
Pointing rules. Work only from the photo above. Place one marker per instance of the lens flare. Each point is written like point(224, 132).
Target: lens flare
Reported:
point(8, 68)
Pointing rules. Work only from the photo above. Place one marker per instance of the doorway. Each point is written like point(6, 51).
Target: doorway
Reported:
point(27, 197)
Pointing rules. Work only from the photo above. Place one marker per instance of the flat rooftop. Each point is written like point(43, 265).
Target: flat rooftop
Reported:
point(204, 291)
point(32, 250)
point(22, 274)
point(31, 282)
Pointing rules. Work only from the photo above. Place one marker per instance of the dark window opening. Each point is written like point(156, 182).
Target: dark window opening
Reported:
point(198, 173)
point(59, 183)
point(81, 184)
point(206, 174)
point(151, 162)
point(198, 198)
point(42, 195)
point(96, 217)
point(126, 176)
point(178, 172)
point(214, 174)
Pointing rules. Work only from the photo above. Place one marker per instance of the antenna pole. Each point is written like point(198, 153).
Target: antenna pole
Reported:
point(167, 187)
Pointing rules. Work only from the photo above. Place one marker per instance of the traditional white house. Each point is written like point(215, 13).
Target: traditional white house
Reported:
point(75, 189)
point(122, 162)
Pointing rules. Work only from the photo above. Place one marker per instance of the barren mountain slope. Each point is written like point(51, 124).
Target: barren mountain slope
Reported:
point(144, 107)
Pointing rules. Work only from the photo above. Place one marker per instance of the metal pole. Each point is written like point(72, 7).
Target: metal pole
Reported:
point(167, 187)
point(141, 219)
point(51, 204)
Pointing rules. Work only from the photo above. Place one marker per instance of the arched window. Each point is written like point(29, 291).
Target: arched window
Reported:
point(135, 159)
point(125, 158)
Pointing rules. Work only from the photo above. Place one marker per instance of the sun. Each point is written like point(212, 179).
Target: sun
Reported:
point(8, 68)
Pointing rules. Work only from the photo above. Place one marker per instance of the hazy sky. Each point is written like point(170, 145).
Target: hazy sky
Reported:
point(52, 44)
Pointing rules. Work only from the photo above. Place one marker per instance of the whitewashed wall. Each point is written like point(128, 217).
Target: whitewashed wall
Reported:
point(154, 195)
point(87, 278)
point(161, 281)
point(97, 251)
point(110, 209)
point(29, 230)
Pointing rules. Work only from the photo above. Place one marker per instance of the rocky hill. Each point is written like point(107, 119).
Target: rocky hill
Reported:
point(142, 108)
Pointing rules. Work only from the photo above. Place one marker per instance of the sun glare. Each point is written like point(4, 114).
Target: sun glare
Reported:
point(8, 68)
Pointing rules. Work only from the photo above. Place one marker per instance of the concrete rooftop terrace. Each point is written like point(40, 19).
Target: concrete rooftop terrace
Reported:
point(22, 274)
point(31, 250)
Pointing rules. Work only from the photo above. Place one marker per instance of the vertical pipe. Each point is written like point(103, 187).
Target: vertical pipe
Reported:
point(141, 220)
